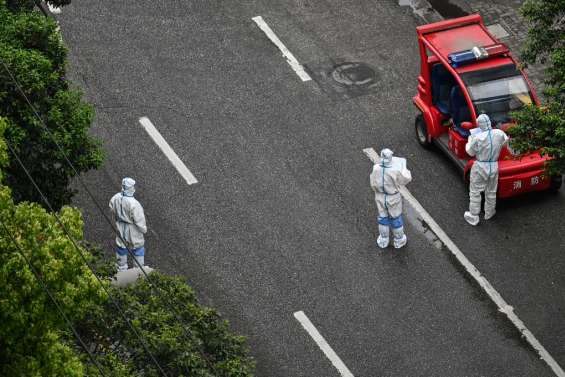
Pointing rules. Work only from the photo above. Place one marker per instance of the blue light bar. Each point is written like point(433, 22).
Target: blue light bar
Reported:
point(457, 59)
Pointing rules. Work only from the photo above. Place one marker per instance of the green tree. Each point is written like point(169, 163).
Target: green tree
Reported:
point(205, 348)
point(544, 128)
point(33, 334)
point(32, 49)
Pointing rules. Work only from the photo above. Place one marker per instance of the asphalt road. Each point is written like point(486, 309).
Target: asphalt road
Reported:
point(282, 218)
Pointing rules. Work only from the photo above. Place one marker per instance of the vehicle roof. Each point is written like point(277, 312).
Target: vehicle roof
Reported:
point(459, 38)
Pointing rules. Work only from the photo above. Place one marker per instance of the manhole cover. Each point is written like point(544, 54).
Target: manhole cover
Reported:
point(344, 79)
point(354, 74)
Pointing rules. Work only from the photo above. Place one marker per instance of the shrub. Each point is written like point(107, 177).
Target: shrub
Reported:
point(544, 128)
point(205, 348)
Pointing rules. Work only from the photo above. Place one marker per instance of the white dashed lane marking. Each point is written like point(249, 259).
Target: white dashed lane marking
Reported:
point(296, 66)
point(321, 342)
point(167, 150)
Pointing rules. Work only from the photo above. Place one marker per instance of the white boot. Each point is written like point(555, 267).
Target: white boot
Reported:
point(383, 239)
point(470, 218)
point(399, 237)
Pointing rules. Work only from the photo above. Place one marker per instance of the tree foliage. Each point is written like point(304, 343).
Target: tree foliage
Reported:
point(544, 128)
point(32, 331)
point(32, 48)
point(205, 348)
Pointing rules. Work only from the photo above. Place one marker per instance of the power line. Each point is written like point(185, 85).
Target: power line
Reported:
point(44, 286)
point(44, 198)
point(152, 284)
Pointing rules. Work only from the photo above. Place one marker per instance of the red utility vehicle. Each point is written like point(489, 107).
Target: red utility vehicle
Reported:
point(465, 72)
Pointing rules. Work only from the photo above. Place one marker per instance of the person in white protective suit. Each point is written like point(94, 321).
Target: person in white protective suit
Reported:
point(485, 145)
point(130, 222)
point(386, 181)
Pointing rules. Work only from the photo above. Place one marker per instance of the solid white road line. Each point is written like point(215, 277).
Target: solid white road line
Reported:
point(373, 156)
point(167, 150)
point(296, 66)
point(503, 306)
point(321, 342)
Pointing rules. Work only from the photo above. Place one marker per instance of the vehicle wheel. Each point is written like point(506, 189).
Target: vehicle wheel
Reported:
point(422, 132)
point(556, 182)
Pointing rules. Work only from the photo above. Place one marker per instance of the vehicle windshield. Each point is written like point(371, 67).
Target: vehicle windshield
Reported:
point(497, 91)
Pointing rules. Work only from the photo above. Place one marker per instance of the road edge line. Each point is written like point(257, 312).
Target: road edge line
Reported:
point(502, 305)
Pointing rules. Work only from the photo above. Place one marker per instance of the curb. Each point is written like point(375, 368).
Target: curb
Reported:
point(424, 11)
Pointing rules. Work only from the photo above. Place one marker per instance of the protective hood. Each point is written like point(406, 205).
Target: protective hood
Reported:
point(386, 157)
point(128, 186)
point(483, 122)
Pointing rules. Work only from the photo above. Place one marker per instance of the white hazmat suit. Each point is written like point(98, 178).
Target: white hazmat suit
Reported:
point(386, 179)
point(485, 144)
point(130, 222)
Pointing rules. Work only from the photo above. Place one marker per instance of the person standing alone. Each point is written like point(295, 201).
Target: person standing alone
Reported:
point(130, 223)
point(485, 144)
point(386, 180)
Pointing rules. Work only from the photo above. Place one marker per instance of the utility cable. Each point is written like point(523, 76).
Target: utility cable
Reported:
point(44, 286)
point(69, 236)
point(152, 284)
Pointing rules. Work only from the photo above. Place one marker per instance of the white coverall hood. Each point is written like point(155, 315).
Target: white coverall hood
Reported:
point(483, 122)
point(386, 157)
point(128, 186)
